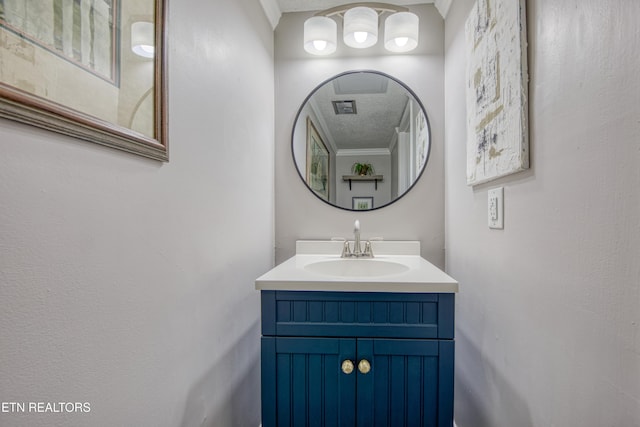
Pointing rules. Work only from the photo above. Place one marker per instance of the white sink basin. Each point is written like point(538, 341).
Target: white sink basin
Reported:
point(356, 267)
point(317, 266)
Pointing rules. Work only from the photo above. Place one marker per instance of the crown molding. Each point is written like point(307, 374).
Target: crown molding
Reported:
point(363, 152)
point(443, 7)
point(273, 12)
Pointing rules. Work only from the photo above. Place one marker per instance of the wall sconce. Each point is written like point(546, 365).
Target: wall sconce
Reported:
point(142, 39)
point(360, 28)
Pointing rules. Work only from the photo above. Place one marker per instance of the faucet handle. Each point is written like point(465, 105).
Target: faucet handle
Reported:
point(367, 250)
point(346, 250)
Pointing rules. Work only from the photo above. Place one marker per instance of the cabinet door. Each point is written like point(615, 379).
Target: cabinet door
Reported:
point(303, 383)
point(410, 383)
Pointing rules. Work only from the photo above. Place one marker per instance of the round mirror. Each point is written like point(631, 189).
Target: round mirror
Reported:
point(361, 140)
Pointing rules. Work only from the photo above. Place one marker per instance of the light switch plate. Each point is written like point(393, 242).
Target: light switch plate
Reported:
point(496, 208)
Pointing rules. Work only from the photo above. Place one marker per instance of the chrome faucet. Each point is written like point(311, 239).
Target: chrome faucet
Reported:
point(357, 246)
point(357, 250)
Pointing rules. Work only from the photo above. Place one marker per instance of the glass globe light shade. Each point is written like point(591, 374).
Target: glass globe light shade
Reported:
point(142, 39)
point(360, 27)
point(320, 35)
point(401, 32)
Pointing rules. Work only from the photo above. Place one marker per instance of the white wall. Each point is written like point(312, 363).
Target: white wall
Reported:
point(128, 283)
point(299, 214)
point(548, 314)
point(382, 166)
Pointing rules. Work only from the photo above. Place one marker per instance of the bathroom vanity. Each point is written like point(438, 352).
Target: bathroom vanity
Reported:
point(357, 342)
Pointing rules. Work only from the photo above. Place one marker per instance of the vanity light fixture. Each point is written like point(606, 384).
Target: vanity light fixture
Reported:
point(320, 35)
point(401, 32)
point(142, 39)
point(360, 28)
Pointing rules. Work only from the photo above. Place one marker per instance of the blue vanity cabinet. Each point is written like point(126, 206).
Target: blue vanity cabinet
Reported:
point(303, 384)
point(400, 346)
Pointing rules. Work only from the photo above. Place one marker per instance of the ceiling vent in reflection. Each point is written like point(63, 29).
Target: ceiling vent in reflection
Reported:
point(344, 107)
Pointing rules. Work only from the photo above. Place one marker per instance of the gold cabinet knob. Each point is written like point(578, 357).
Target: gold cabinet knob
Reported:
point(364, 366)
point(347, 366)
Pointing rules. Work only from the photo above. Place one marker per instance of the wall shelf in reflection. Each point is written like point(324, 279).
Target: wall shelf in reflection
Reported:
point(350, 178)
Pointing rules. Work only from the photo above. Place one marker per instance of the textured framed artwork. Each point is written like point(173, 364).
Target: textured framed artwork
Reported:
point(91, 69)
point(497, 97)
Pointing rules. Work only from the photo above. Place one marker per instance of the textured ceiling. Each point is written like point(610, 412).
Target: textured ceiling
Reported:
point(308, 5)
point(378, 114)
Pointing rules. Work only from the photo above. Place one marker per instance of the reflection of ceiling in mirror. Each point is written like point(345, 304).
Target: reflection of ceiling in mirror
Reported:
point(378, 114)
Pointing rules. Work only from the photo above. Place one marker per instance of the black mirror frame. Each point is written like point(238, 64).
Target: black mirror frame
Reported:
point(304, 102)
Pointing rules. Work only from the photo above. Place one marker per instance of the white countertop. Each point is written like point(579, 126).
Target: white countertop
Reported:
point(420, 276)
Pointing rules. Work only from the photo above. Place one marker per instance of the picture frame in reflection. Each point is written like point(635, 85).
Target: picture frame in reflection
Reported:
point(318, 162)
point(361, 203)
